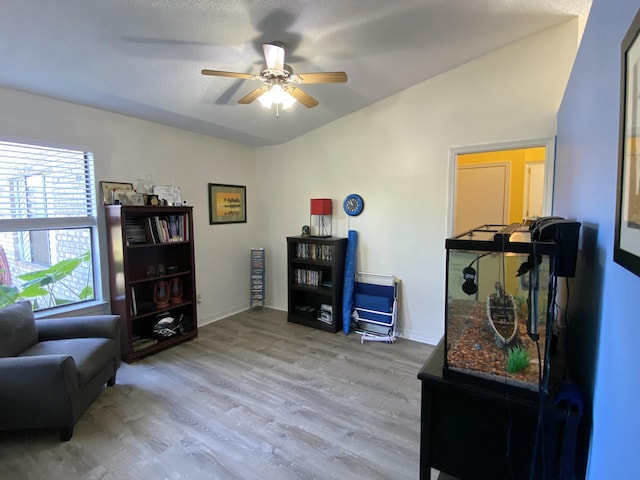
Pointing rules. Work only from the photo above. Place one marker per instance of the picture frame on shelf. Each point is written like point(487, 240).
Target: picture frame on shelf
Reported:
point(127, 197)
point(168, 193)
point(151, 200)
point(627, 221)
point(227, 204)
point(107, 189)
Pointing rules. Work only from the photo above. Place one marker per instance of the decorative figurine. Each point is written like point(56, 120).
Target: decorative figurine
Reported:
point(161, 294)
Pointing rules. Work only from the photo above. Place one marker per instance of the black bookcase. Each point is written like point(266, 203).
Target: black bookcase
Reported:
point(316, 279)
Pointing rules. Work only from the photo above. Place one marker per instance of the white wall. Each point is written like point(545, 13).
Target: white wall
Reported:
point(396, 155)
point(126, 149)
point(604, 319)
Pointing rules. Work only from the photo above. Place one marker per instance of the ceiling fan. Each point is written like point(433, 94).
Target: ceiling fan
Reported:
point(280, 80)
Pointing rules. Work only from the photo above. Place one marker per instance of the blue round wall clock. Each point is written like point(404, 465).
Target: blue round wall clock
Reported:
point(353, 204)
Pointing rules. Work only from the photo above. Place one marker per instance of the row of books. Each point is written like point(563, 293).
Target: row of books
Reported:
point(314, 251)
point(308, 277)
point(157, 229)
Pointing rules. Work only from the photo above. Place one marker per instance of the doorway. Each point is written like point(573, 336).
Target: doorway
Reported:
point(500, 183)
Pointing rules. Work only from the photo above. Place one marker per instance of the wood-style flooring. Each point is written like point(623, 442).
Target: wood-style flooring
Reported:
point(253, 397)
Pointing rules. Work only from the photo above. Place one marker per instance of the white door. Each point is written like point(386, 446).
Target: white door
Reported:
point(482, 196)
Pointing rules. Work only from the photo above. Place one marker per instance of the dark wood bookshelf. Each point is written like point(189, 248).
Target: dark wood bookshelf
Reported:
point(133, 249)
point(315, 278)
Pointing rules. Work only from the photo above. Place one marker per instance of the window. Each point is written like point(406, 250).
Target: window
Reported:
point(47, 225)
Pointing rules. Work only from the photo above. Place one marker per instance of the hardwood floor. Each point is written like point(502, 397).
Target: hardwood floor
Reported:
point(252, 397)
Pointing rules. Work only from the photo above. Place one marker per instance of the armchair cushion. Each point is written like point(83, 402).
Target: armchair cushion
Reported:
point(17, 329)
point(89, 354)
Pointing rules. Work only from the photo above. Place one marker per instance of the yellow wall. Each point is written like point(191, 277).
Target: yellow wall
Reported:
point(517, 160)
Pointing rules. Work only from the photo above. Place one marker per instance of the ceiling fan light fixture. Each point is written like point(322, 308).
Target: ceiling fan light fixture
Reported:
point(278, 81)
point(277, 95)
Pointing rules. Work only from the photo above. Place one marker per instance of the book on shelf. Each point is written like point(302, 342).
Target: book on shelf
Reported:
point(134, 232)
point(174, 232)
point(151, 238)
point(153, 228)
point(308, 277)
point(313, 251)
point(163, 229)
point(185, 227)
point(134, 303)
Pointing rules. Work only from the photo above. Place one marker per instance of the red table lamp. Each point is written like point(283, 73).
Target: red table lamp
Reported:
point(321, 217)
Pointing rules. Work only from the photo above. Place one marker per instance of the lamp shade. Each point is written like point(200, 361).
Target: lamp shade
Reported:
point(276, 94)
point(321, 206)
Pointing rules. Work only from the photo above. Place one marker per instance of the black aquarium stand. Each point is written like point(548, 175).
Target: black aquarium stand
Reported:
point(474, 432)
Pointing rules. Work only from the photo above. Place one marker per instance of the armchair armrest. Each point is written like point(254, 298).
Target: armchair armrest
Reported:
point(38, 390)
point(91, 326)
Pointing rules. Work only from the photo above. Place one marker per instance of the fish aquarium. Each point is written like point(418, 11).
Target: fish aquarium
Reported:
point(500, 306)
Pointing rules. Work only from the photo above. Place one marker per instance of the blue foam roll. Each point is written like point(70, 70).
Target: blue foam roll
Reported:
point(349, 280)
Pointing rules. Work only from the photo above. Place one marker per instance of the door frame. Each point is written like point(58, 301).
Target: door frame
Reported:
point(549, 169)
point(526, 206)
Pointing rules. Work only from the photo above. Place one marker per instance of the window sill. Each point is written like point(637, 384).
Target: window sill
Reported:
point(95, 307)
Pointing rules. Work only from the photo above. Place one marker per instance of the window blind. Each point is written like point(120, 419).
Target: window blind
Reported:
point(41, 184)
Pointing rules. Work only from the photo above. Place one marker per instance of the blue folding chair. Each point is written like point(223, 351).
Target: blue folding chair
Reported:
point(375, 309)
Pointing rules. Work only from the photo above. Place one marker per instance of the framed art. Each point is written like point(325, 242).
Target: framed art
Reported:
point(127, 197)
point(168, 193)
point(107, 189)
point(227, 204)
point(626, 250)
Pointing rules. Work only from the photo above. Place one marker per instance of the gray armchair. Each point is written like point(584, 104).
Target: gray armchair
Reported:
point(52, 369)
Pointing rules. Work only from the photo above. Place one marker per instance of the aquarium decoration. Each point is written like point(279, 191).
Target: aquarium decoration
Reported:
point(501, 313)
point(518, 359)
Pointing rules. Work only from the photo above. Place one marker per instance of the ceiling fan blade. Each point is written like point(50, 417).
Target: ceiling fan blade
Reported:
point(304, 98)
point(274, 56)
point(322, 77)
point(219, 73)
point(254, 94)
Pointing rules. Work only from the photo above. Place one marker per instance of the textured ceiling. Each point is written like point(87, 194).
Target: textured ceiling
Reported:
point(143, 58)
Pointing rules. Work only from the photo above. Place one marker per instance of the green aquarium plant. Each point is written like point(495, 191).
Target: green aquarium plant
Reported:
point(518, 359)
point(49, 287)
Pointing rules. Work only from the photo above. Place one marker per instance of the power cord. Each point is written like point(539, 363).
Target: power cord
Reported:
point(543, 378)
point(505, 357)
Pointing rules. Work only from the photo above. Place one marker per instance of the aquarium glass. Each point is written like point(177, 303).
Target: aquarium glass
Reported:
point(492, 320)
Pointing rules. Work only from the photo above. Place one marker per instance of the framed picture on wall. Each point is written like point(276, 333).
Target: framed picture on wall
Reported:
point(627, 223)
point(227, 204)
